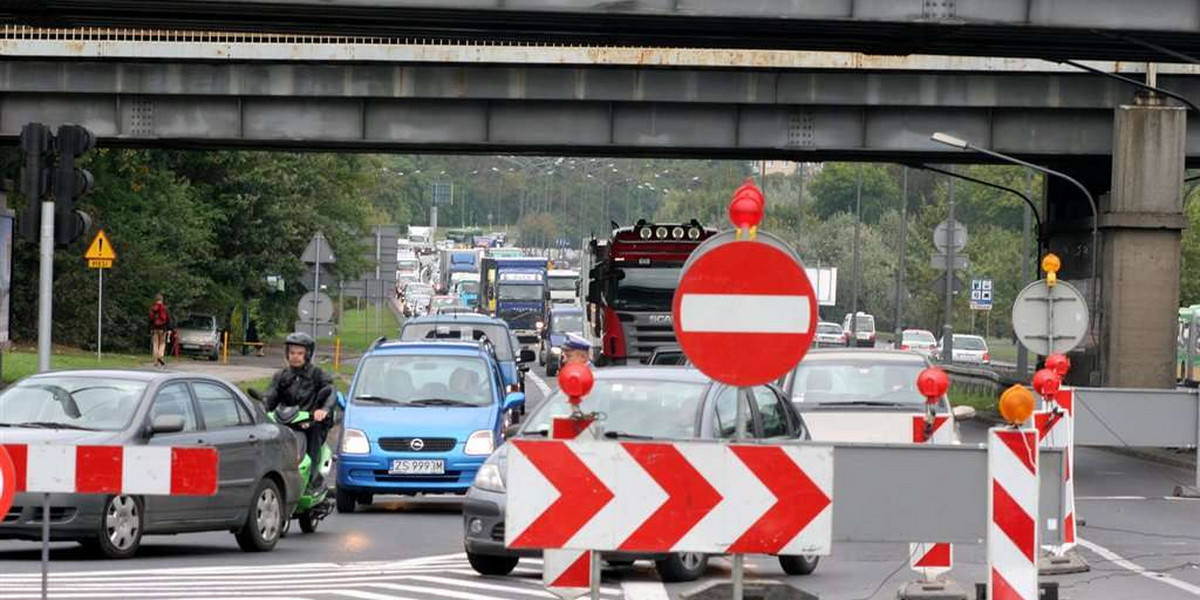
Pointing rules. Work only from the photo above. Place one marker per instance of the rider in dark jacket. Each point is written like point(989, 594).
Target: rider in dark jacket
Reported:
point(305, 386)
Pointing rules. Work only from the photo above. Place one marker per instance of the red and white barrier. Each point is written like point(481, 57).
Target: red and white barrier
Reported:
point(1056, 430)
point(670, 497)
point(568, 574)
point(1012, 541)
point(138, 470)
point(931, 559)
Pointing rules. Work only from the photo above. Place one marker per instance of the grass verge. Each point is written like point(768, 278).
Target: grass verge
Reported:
point(22, 363)
point(358, 328)
point(982, 398)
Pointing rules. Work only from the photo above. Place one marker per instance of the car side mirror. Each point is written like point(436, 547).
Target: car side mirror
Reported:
point(166, 424)
point(341, 400)
point(963, 413)
point(527, 356)
point(514, 401)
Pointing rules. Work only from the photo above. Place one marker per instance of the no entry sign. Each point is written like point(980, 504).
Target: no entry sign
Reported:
point(745, 312)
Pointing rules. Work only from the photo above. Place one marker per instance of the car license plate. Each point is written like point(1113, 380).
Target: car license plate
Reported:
point(418, 467)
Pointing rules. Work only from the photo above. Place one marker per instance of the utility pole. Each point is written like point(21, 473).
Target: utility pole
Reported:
point(902, 265)
point(948, 326)
point(1022, 352)
point(800, 207)
point(857, 262)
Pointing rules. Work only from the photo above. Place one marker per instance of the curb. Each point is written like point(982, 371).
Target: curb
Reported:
point(1162, 456)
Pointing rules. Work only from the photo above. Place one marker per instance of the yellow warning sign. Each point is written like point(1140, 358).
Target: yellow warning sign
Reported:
point(100, 254)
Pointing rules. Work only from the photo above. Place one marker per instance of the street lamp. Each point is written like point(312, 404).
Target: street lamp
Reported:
point(961, 144)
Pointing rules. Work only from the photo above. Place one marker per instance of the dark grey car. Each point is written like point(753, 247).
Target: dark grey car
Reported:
point(258, 480)
point(661, 403)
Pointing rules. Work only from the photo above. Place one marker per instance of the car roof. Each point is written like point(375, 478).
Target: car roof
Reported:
point(468, 318)
point(878, 354)
point(657, 373)
point(438, 348)
point(146, 375)
point(566, 310)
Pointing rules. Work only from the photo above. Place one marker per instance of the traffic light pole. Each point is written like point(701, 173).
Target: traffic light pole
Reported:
point(45, 286)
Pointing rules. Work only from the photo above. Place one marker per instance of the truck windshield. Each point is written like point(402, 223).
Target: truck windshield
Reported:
point(646, 289)
point(514, 291)
point(561, 284)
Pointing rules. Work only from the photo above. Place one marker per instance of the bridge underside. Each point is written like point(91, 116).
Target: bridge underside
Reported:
point(1113, 29)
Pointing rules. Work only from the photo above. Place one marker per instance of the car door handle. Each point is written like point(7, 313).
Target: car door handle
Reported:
point(254, 439)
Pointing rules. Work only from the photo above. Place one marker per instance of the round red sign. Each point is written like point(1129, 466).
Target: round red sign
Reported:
point(8, 481)
point(745, 313)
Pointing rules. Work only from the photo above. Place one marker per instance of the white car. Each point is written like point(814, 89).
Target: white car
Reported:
point(920, 341)
point(969, 349)
point(829, 335)
point(864, 396)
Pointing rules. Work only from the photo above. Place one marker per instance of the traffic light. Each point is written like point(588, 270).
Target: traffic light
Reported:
point(71, 182)
point(37, 164)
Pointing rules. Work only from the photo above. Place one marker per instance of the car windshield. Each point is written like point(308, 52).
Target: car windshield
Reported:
point(920, 336)
point(634, 407)
point(969, 343)
point(646, 289)
point(197, 322)
point(516, 291)
point(863, 322)
point(562, 284)
point(478, 332)
point(568, 323)
point(468, 287)
point(857, 380)
point(72, 401)
point(669, 358)
point(407, 265)
point(833, 328)
point(445, 301)
point(422, 379)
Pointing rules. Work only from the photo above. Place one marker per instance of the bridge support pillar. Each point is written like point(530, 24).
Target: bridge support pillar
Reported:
point(1141, 221)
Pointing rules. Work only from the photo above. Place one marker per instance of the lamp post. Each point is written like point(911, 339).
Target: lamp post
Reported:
point(949, 140)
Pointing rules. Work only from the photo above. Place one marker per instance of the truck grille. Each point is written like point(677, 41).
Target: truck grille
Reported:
point(642, 336)
point(404, 444)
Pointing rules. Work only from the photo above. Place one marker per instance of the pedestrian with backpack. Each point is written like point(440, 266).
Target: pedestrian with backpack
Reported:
point(160, 321)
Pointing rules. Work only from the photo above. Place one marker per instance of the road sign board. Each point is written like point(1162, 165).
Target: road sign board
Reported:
point(100, 253)
point(315, 303)
point(744, 312)
point(824, 281)
point(961, 261)
point(941, 236)
point(670, 497)
point(939, 285)
point(8, 481)
point(1050, 319)
point(318, 251)
point(981, 294)
point(443, 194)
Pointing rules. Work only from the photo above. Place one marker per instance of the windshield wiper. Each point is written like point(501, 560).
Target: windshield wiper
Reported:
point(51, 425)
point(538, 433)
point(379, 399)
point(613, 435)
point(439, 402)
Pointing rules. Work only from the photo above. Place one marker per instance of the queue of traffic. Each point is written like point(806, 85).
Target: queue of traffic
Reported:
point(429, 411)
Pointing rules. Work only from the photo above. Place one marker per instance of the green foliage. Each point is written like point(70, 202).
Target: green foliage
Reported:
point(835, 190)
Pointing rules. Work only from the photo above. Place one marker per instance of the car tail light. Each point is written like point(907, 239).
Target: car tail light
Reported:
point(987, 357)
point(904, 347)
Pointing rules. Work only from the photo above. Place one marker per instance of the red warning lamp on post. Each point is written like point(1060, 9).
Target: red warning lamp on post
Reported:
point(747, 208)
point(933, 384)
point(575, 380)
point(1045, 383)
point(1059, 363)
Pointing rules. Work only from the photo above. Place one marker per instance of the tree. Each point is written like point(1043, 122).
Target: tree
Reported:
point(835, 189)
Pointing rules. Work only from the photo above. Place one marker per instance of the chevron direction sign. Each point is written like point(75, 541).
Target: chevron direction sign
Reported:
point(670, 497)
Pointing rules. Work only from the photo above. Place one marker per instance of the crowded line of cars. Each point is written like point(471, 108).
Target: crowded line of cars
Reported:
point(428, 413)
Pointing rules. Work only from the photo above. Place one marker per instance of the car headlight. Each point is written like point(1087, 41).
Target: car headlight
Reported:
point(355, 442)
point(488, 478)
point(480, 444)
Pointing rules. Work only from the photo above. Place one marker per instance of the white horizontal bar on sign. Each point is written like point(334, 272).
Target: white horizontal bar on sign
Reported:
point(744, 313)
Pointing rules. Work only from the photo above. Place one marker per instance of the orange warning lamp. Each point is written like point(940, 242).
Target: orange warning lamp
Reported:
point(933, 384)
point(1016, 405)
point(746, 209)
point(1059, 363)
point(1046, 382)
point(575, 380)
point(1051, 265)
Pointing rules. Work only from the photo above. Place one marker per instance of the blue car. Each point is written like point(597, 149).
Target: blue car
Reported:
point(475, 328)
point(421, 418)
point(563, 320)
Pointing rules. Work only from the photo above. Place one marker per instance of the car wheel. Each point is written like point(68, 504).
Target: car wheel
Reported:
point(686, 566)
point(486, 564)
point(308, 523)
point(120, 532)
point(799, 565)
point(264, 524)
point(551, 368)
point(346, 502)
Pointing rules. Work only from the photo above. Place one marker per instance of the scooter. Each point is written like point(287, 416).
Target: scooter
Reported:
point(314, 505)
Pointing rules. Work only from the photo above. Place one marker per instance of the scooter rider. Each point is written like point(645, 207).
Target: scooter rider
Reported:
point(304, 385)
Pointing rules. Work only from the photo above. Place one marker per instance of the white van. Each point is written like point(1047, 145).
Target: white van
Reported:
point(864, 330)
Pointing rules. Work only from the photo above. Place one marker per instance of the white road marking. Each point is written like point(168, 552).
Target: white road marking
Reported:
point(540, 383)
point(1120, 561)
point(644, 590)
point(369, 595)
point(1111, 498)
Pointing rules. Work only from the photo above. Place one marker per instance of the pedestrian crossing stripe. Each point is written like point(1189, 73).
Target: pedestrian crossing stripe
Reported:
point(447, 577)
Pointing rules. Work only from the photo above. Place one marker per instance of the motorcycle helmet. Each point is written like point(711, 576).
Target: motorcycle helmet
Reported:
point(299, 338)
